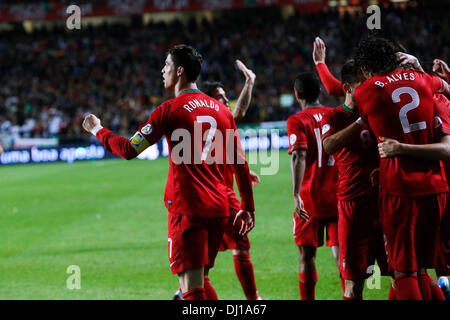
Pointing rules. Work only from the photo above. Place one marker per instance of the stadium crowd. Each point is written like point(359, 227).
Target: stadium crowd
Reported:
point(52, 78)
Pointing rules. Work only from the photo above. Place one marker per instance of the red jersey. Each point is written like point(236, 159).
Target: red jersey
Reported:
point(442, 123)
point(399, 105)
point(358, 159)
point(318, 190)
point(197, 128)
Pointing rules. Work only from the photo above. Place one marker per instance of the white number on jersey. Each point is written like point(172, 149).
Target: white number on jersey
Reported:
point(330, 162)
point(408, 127)
point(211, 132)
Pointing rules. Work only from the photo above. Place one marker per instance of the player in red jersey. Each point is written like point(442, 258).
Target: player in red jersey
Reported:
point(354, 148)
point(196, 194)
point(240, 245)
point(397, 103)
point(313, 176)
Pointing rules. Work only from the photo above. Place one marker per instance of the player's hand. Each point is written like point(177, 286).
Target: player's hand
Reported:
point(90, 123)
point(375, 177)
point(300, 208)
point(440, 68)
point(254, 178)
point(247, 219)
point(249, 74)
point(405, 58)
point(388, 148)
point(319, 51)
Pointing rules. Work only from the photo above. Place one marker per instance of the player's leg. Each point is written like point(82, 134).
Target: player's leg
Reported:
point(240, 246)
point(398, 217)
point(306, 238)
point(210, 292)
point(244, 270)
point(192, 284)
point(307, 272)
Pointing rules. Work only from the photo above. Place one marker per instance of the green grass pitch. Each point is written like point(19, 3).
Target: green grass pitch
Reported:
point(108, 218)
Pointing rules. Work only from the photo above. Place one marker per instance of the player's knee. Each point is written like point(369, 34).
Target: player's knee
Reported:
point(306, 254)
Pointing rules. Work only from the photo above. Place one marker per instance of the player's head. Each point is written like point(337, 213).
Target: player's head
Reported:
point(216, 90)
point(351, 76)
point(306, 88)
point(182, 63)
point(376, 55)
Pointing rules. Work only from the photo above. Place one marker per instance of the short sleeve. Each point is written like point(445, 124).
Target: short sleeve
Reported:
point(297, 136)
point(329, 124)
point(441, 115)
point(437, 84)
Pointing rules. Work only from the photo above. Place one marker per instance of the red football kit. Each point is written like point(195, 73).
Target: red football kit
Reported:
point(442, 109)
point(399, 105)
point(203, 146)
point(318, 190)
point(359, 232)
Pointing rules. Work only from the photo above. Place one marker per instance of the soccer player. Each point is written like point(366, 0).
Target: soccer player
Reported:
point(314, 178)
point(349, 140)
point(196, 194)
point(240, 245)
point(397, 103)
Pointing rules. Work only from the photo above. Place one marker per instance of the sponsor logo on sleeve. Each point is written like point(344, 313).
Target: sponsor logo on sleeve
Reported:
point(325, 128)
point(292, 138)
point(137, 139)
point(147, 129)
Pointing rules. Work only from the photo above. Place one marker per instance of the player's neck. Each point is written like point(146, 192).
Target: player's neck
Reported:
point(305, 104)
point(181, 86)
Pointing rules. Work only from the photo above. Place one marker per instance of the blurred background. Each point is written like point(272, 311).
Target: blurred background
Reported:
point(51, 77)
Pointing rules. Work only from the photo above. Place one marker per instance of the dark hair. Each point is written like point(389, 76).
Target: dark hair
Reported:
point(307, 85)
point(187, 57)
point(376, 55)
point(209, 87)
point(350, 72)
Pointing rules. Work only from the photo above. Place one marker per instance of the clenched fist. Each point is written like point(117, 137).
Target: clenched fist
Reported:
point(92, 124)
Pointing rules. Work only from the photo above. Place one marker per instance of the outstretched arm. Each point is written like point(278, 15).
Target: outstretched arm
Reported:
point(389, 148)
point(243, 101)
point(441, 69)
point(332, 85)
point(113, 143)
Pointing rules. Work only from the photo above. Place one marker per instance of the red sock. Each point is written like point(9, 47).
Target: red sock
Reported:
point(342, 283)
point(392, 294)
point(407, 287)
point(209, 290)
point(355, 298)
point(195, 294)
point(424, 285)
point(244, 271)
point(307, 285)
point(436, 292)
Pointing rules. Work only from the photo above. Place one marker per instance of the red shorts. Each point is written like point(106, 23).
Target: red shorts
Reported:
point(193, 241)
point(311, 233)
point(410, 227)
point(231, 237)
point(443, 261)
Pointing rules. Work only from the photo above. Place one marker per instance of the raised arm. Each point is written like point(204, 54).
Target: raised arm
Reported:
point(331, 84)
point(441, 69)
point(243, 101)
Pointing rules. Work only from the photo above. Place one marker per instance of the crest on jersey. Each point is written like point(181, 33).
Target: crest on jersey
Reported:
point(292, 138)
point(437, 121)
point(325, 128)
point(147, 129)
point(137, 139)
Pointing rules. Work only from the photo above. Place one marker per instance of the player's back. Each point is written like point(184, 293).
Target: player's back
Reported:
point(319, 184)
point(198, 140)
point(399, 105)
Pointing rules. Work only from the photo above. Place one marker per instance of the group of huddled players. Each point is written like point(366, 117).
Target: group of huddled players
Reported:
point(384, 202)
point(372, 171)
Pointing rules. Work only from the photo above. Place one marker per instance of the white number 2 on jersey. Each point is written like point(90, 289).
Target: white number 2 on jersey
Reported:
point(211, 132)
point(319, 150)
point(408, 127)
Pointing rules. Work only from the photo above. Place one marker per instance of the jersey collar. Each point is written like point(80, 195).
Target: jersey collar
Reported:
point(313, 105)
point(190, 90)
point(346, 108)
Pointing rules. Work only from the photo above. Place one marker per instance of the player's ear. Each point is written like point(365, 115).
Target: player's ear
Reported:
point(180, 71)
point(347, 88)
point(297, 96)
